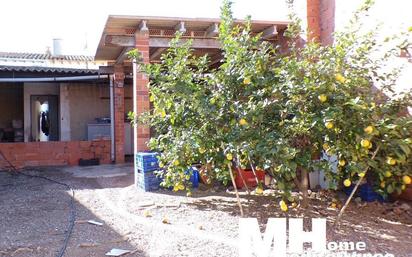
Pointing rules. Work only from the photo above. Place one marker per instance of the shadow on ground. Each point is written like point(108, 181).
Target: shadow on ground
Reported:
point(35, 217)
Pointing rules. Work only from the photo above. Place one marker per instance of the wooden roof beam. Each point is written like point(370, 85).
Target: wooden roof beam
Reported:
point(161, 42)
point(269, 32)
point(157, 53)
point(123, 55)
point(213, 30)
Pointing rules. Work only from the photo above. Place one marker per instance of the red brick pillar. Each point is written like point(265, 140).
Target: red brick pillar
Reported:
point(118, 83)
point(141, 92)
point(313, 18)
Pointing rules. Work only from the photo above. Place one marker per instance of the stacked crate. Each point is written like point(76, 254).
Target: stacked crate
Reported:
point(145, 175)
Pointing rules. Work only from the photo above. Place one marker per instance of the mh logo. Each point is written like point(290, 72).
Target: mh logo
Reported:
point(275, 242)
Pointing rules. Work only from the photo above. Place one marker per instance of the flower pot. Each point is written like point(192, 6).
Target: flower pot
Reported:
point(249, 177)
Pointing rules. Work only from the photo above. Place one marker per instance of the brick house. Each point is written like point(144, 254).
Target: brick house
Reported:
point(109, 86)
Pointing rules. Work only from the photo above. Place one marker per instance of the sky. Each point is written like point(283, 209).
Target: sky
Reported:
point(30, 26)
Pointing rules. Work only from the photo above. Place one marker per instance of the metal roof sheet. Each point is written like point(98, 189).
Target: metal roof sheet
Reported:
point(46, 70)
point(44, 56)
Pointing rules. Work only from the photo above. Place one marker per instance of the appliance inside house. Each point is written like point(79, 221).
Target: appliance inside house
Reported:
point(44, 118)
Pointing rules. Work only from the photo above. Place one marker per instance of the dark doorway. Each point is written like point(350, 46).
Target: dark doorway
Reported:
point(44, 118)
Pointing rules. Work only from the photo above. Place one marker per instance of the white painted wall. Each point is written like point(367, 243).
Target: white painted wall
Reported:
point(65, 128)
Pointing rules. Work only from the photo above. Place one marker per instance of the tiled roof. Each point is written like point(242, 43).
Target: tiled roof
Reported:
point(47, 69)
point(36, 56)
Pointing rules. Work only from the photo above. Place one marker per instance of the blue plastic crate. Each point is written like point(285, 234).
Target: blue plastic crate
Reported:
point(194, 176)
point(148, 181)
point(368, 194)
point(147, 161)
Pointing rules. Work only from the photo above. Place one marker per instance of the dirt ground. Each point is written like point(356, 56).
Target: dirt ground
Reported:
point(35, 216)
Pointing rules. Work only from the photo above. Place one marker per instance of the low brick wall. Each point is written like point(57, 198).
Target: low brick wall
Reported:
point(33, 154)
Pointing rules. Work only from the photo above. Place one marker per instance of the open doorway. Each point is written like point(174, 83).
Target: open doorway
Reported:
point(44, 118)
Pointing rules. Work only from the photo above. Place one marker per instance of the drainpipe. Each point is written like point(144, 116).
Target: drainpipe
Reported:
point(134, 109)
point(111, 88)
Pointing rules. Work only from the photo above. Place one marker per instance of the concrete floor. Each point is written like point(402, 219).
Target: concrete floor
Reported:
point(100, 171)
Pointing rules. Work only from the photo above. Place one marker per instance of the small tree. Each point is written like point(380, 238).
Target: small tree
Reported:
point(277, 111)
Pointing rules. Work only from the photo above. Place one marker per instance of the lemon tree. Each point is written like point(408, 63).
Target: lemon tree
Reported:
point(279, 111)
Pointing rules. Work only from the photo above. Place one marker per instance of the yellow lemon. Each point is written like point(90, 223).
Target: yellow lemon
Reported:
point(368, 130)
point(189, 194)
point(403, 187)
point(243, 122)
point(362, 174)
point(342, 163)
point(163, 113)
point(388, 174)
point(229, 156)
point(246, 81)
point(390, 161)
point(366, 143)
point(151, 98)
point(347, 182)
point(325, 146)
point(329, 125)
point(181, 187)
point(201, 150)
point(340, 78)
point(406, 180)
point(283, 206)
point(212, 101)
point(322, 98)
point(175, 188)
point(161, 165)
point(147, 214)
point(176, 162)
point(259, 190)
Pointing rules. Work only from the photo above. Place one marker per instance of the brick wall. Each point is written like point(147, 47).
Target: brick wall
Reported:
point(142, 103)
point(33, 154)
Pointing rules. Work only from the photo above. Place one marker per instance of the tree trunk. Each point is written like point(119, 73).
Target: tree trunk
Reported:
point(304, 186)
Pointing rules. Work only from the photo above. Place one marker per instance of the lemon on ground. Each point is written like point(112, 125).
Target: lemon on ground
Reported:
point(259, 190)
point(368, 130)
point(342, 162)
point(246, 81)
point(366, 143)
point(407, 180)
point(147, 214)
point(340, 78)
point(189, 194)
point(347, 182)
point(294, 205)
point(390, 161)
point(165, 221)
point(242, 122)
point(283, 206)
point(322, 98)
point(333, 205)
point(229, 156)
point(362, 174)
point(388, 174)
point(329, 125)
